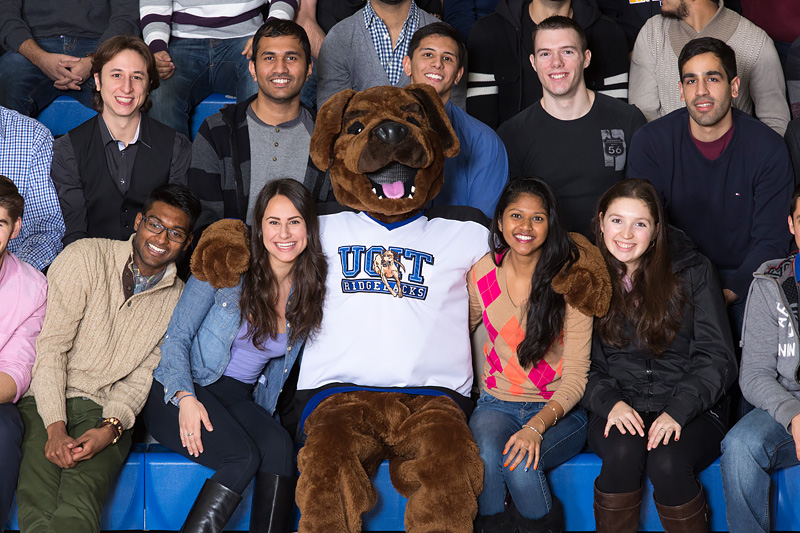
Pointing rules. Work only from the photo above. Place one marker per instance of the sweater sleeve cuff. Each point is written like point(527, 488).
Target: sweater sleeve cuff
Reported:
point(121, 411)
point(786, 411)
point(16, 38)
point(159, 45)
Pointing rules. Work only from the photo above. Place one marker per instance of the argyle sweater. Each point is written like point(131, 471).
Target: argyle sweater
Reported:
point(561, 375)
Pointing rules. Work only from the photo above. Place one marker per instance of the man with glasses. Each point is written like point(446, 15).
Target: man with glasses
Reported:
point(108, 306)
point(105, 168)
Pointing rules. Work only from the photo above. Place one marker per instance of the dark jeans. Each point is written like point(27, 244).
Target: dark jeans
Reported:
point(10, 455)
point(245, 440)
point(202, 67)
point(25, 88)
point(671, 468)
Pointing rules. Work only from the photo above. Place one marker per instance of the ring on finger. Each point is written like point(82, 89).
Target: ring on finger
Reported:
point(189, 434)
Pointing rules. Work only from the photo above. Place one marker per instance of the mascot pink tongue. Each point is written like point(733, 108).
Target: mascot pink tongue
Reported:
point(393, 190)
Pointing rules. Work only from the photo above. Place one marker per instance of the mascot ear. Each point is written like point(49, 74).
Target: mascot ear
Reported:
point(327, 128)
point(434, 108)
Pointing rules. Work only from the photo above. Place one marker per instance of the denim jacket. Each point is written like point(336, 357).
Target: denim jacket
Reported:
point(197, 346)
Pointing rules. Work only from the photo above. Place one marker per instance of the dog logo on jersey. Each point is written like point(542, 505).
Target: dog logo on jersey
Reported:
point(388, 265)
point(380, 270)
point(614, 148)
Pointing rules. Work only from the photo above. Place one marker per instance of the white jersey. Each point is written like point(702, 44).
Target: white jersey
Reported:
point(372, 334)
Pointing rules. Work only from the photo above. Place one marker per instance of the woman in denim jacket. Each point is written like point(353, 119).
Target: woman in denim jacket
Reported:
point(226, 356)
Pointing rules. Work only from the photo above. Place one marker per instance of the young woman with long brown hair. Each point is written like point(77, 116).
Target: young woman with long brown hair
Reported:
point(662, 359)
point(225, 359)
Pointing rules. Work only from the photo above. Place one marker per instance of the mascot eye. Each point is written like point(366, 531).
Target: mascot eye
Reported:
point(413, 121)
point(355, 128)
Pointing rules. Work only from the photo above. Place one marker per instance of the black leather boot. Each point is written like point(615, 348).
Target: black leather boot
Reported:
point(496, 523)
point(273, 501)
point(552, 522)
point(212, 509)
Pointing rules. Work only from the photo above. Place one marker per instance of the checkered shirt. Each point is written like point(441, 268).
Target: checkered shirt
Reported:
point(26, 151)
point(391, 59)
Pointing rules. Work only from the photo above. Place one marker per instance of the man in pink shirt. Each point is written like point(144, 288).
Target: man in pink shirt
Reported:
point(23, 291)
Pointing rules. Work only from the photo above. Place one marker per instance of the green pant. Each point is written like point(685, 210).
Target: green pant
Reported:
point(51, 499)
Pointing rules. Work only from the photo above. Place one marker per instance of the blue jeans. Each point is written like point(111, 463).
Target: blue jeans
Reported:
point(25, 88)
point(202, 67)
point(754, 447)
point(10, 455)
point(492, 424)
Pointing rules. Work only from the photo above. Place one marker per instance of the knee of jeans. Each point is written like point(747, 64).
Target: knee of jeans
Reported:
point(490, 446)
point(741, 442)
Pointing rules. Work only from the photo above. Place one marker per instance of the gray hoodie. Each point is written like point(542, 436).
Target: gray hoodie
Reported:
point(770, 343)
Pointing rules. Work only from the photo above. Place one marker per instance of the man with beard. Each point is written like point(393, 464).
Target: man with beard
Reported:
point(381, 30)
point(654, 63)
point(575, 138)
point(108, 306)
point(723, 176)
point(264, 138)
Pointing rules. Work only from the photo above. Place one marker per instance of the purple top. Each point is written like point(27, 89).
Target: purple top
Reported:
point(247, 362)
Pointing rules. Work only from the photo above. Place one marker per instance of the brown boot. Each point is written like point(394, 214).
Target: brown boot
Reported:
point(617, 513)
point(691, 517)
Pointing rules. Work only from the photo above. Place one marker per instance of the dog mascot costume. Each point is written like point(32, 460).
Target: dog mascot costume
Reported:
point(390, 372)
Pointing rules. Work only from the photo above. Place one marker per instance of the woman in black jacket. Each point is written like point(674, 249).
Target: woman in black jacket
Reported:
point(662, 359)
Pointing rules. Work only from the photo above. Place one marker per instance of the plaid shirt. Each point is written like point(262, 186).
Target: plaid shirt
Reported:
point(391, 59)
point(26, 150)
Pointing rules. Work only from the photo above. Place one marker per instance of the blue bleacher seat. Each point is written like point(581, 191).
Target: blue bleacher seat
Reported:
point(65, 113)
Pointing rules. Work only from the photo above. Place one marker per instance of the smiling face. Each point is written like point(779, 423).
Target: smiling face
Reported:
point(435, 63)
point(628, 229)
point(525, 226)
point(152, 252)
point(280, 68)
point(123, 84)
point(559, 61)
point(285, 233)
point(707, 92)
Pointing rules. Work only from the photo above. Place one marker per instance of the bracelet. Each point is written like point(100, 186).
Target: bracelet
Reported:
point(544, 424)
point(184, 396)
point(554, 412)
point(533, 428)
point(115, 424)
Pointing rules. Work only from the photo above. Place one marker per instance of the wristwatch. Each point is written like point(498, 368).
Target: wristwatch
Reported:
point(116, 425)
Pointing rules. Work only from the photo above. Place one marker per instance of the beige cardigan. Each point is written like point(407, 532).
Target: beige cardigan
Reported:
point(654, 73)
point(93, 343)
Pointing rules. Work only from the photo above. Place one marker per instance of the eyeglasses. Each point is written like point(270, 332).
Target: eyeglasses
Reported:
point(154, 226)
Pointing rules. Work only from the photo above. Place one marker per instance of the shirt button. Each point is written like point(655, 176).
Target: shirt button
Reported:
point(129, 304)
point(274, 158)
point(277, 129)
point(286, 370)
point(276, 144)
point(224, 304)
point(127, 287)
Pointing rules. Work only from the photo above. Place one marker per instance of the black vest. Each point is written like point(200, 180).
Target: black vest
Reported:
point(111, 214)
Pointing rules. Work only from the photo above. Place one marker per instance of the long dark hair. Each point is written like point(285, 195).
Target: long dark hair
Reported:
point(544, 311)
point(259, 299)
point(654, 304)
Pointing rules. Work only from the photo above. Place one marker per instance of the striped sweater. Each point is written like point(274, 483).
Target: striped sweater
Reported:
point(196, 19)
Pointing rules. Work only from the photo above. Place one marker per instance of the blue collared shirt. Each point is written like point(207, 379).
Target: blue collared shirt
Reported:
point(26, 151)
point(391, 58)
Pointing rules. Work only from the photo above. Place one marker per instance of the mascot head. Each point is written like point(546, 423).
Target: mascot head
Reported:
point(385, 148)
